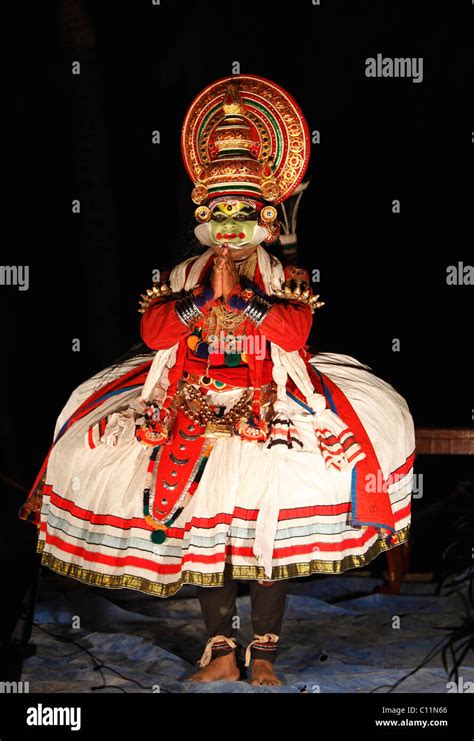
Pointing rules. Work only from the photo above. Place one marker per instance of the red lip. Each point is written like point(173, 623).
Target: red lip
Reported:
point(219, 235)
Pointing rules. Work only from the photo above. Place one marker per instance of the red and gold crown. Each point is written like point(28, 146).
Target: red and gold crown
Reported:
point(245, 136)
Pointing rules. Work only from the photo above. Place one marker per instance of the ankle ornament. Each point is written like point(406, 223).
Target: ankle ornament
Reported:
point(216, 642)
point(267, 642)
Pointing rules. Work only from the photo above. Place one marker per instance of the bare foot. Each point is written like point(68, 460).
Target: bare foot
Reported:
point(263, 674)
point(221, 668)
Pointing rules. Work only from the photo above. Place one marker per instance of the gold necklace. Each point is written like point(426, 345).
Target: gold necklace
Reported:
point(220, 318)
point(247, 266)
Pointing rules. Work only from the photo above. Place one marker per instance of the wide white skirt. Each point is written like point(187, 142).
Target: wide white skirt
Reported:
point(256, 513)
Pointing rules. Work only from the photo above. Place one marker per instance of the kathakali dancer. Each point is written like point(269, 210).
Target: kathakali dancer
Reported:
point(228, 451)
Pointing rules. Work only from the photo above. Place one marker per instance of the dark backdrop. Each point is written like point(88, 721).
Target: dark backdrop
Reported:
point(383, 276)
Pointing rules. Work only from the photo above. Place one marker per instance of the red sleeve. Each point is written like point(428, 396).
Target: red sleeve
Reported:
point(288, 325)
point(161, 327)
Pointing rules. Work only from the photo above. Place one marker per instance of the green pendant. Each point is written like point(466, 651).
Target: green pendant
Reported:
point(158, 536)
point(232, 359)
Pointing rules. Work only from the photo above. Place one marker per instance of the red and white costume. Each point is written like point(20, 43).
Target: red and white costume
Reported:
point(251, 512)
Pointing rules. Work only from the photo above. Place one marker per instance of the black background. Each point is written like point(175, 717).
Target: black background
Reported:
point(383, 275)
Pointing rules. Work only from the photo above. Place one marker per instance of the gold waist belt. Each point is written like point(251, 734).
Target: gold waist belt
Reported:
point(214, 419)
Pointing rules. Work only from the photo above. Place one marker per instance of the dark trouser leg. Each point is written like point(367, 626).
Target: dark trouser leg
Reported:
point(268, 605)
point(219, 608)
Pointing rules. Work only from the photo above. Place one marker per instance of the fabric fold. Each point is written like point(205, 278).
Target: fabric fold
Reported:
point(270, 474)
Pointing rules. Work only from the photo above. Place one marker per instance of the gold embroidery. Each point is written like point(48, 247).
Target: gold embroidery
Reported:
point(126, 581)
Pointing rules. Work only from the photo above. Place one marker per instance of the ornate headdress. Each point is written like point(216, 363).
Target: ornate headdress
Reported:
point(244, 136)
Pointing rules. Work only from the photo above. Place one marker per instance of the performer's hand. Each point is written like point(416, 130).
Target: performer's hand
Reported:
point(230, 276)
point(216, 276)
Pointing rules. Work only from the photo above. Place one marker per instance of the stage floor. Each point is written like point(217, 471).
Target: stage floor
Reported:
point(337, 637)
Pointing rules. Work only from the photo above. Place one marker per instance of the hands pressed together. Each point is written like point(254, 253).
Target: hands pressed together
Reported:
point(224, 274)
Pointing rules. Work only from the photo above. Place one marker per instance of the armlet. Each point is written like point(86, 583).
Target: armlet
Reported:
point(296, 287)
point(160, 290)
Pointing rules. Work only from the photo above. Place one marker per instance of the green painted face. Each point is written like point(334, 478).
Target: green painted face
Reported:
point(233, 223)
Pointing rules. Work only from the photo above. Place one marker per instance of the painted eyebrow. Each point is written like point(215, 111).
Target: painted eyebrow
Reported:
point(247, 210)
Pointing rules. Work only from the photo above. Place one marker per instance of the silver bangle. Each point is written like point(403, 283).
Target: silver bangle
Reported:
point(257, 309)
point(187, 310)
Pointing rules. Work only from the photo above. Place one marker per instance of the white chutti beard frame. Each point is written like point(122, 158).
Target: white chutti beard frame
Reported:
point(204, 234)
